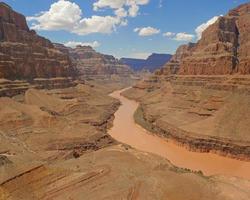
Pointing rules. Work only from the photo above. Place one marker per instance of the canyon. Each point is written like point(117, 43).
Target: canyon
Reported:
point(91, 64)
point(68, 128)
point(208, 163)
point(200, 99)
point(223, 48)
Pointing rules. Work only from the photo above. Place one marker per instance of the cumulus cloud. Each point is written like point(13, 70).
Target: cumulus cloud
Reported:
point(67, 15)
point(96, 24)
point(169, 34)
point(73, 44)
point(131, 6)
point(147, 31)
point(199, 30)
point(121, 12)
point(109, 3)
point(179, 36)
point(184, 37)
point(62, 15)
point(133, 10)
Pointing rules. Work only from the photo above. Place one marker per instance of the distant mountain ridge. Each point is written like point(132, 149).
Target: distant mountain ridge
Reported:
point(153, 62)
point(92, 64)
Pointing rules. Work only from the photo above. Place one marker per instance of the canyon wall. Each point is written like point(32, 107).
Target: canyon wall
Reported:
point(224, 48)
point(201, 98)
point(26, 55)
point(173, 66)
point(93, 64)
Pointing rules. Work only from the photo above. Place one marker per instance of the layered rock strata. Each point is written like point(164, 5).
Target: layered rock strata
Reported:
point(26, 55)
point(93, 64)
point(54, 145)
point(10, 88)
point(173, 66)
point(200, 98)
point(203, 113)
point(224, 48)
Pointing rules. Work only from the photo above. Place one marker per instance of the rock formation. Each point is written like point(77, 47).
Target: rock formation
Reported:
point(200, 99)
point(26, 55)
point(224, 47)
point(173, 66)
point(93, 64)
point(202, 113)
point(10, 88)
point(54, 145)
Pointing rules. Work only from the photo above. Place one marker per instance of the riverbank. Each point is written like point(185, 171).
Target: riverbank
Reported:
point(194, 142)
point(127, 131)
point(71, 156)
point(196, 114)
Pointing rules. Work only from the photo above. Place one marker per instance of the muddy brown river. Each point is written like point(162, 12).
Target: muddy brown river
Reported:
point(127, 131)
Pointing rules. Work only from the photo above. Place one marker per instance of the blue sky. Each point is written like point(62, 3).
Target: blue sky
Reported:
point(124, 28)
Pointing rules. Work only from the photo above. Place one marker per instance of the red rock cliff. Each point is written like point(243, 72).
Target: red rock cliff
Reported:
point(173, 66)
point(224, 47)
point(91, 63)
point(26, 55)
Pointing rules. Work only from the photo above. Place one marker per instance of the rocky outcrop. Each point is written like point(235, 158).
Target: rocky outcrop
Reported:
point(202, 113)
point(26, 55)
point(242, 14)
point(10, 88)
point(93, 64)
point(173, 66)
point(224, 47)
point(200, 99)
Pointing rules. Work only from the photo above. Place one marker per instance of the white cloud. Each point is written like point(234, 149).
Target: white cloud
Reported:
point(62, 15)
point(199, 30)
point(147, 31)
point(189, 37)
point(66, 15)
point(184, 37)
point(121, 12)
point(133, 10)
point(131, 6)
point(169, 34)
point(73, 44)
point(109, 3)
point(97, 24)
point(136, 29)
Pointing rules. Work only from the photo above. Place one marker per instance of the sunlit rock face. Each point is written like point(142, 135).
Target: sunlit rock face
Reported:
point(204, 90)
point(26, 55)
point(224, 48)
point(173, 66)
